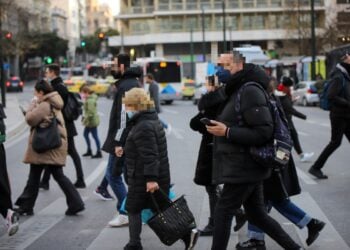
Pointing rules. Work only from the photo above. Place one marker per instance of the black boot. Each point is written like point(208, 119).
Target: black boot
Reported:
point(240, 220)
point(44, 185)
point(314, 228)
point(80, 183)
point(208, 229)
point(190, 239)
point(88, 153)
point(97, 155)
point(317, 173)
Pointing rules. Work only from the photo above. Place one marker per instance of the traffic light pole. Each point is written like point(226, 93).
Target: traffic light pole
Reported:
point(313, 41)
point(2, 73)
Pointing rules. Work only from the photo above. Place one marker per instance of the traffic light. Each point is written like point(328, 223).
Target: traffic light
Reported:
point(8, 36)
point(101, 36)
point(83, 44)
point(48, 60)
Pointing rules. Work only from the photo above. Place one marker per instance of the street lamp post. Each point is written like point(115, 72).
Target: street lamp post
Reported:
point(313, 41)
point(203, 36)
point(224, 25)
point(231, 42)
point(192, 53)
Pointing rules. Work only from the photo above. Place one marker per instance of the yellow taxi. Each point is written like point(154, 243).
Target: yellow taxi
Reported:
point(188, 89)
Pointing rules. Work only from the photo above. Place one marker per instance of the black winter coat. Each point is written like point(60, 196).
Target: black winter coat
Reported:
point(232, 162)
point(62, 90)
point(146, 159)
point(340, 98)
point(282, 183)
point(128, 81)
point(208, 106)
point(289, 110)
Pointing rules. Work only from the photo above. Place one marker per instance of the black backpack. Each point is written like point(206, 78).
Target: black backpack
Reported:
point(277, 151)
point(2, 125)
point(73, 107)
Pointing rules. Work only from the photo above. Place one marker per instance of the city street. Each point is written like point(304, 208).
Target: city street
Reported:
point(50, 229)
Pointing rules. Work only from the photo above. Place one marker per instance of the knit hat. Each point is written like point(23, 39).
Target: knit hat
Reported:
point(287, 81)
point(138, 98)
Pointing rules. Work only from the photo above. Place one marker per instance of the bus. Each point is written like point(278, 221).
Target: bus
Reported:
point(167, 73)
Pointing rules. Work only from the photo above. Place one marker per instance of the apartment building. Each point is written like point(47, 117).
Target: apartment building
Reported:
point(99, 16)
point(164, 26)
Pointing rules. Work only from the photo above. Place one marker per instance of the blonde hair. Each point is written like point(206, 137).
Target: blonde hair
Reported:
point(139, 99)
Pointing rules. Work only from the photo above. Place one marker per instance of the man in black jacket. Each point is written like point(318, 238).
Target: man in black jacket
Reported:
point(339, 99)
point(52, 74)
point(234, 132)
point(127, 79)
point(6, 211)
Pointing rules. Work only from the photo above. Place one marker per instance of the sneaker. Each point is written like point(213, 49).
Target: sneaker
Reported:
point(12, 224)
point(44, 185)
point(103, 194)
point(88, 153)
point(80, 183)
point(97, 155)
point(119, 221)
point(305, 157)
point(252, 244)
point(194, 238)
point(314, 228)
point(317, 173)
point(74, 211)
point(25, 212)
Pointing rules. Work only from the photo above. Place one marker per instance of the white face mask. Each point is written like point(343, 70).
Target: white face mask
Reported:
point(130, 114)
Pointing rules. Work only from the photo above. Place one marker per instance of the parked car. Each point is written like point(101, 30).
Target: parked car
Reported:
point(305, 93)
point(14, 84)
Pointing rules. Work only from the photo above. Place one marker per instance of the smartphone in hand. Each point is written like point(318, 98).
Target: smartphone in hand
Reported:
point(22, 109)
point(206, 121)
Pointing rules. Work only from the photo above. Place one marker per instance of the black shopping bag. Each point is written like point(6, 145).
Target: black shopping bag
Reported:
point(172, 223)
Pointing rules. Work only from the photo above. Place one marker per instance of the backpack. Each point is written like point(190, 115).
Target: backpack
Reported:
point(324, 101)
point(73, 108)
point(276, 152)
point(2, 125)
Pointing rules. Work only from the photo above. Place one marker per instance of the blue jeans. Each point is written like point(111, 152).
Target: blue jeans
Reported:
point(94, 133)
point(116, 182)
point(289, 210)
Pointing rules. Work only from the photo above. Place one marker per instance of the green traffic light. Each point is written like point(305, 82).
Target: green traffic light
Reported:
point(49, 60)
point(83, 43)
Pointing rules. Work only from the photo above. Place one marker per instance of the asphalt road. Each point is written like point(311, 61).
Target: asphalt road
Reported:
point(49, 228)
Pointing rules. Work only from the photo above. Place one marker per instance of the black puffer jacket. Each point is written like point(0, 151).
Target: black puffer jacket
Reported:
point(146, 159)
point(339, 97)
point(289, 110)
point(208, 106)
point(128, 81)
point(58, 85)
point(232, 162)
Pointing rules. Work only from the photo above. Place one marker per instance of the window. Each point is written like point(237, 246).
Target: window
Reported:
point(176, 24)
point(278, 3)
point(176, 4)
point(262, 3)
point(253, 22)
point(233, 4)
point(248, 3)
point(232, 23)
point(191, 4)
point(192, 22)
point(163, 5)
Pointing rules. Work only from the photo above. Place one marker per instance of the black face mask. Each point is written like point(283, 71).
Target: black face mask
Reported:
point(116, 74)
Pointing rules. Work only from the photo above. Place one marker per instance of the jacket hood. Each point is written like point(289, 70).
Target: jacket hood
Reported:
point(344, 69)
point(54, 99)
point(249, 73)
point(144, 115)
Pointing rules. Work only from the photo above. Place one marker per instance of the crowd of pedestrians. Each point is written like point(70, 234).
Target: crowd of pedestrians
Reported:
point(234, 116)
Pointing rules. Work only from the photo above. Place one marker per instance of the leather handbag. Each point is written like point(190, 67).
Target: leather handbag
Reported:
point(47, 138)
point(174, 222)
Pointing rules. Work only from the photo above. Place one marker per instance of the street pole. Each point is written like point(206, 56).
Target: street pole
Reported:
point(313, 41)
point(224, 25)
point(2, 73)
point(231, 42)
point(203, 36)
point(191, 51)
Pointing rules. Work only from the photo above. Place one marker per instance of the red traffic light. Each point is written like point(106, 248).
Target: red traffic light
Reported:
point(8, 35)
point(101, 35)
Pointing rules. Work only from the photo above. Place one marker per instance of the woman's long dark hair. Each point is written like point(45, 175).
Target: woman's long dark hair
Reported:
point(43, 86)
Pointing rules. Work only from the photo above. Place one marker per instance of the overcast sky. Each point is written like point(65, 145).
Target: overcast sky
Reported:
point(114, 5)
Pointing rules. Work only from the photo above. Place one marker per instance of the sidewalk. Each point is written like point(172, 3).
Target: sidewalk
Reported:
point(15, 122)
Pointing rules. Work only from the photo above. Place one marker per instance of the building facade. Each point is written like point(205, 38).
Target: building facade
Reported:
point(168, 26)
point(99, 16)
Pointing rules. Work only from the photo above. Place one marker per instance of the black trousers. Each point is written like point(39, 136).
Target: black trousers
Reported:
point(5, 190)
point(295, 138)
point(251, 196)
point(340, 126)
point(72, 151)
point(213, 198)
point(30, 193)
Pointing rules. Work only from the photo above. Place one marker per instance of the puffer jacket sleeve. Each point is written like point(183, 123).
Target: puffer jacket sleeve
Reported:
point(147, 148)
point(36, 113)
point(257, 117)
point(335, 91)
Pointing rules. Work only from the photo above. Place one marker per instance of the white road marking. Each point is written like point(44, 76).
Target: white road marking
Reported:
point(177, 134)
point(302, 133)
point(96, 173)
point(16, 139)
point(170, 111)
point(327, 125)
point(305, 178)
